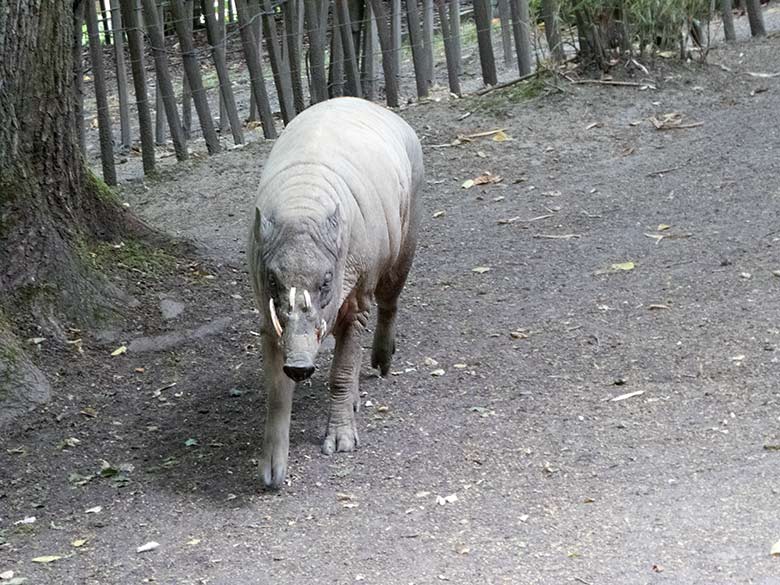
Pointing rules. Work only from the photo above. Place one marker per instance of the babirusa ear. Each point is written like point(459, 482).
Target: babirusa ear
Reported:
point(262, 226)
point(334, 220)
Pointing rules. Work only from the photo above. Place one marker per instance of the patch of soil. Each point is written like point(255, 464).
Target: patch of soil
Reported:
point(598, 424)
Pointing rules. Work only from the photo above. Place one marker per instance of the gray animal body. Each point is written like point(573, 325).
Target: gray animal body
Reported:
point(334, 230)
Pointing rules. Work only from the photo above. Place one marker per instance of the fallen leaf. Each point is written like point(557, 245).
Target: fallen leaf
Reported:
point(95, 510)
point(556, 236)
point(151, 545)
point(468, 184)
point(482, 411)
point(36, 340)
point(627, 396)
point(593, 125)
point(6, 575)
point(27, 520)
point(422, 494)
point(79, 542)
point(518, 334)
point(430, 362)
point(500, 136)
point(451, 499)
point(437, 373)
point(657, 306)
point(481, 269)
point(191, 442)
point(623, 266)
point(17, 581)
point(46, 559)
point(119, 350)
point(89, 411)
point(775, 552)
point(344, 497)
point(77, 479)
point(487, 178)
point(439, 214)
point(68, 442)
point(663, 227)
point(193, 542)
point(763, 75)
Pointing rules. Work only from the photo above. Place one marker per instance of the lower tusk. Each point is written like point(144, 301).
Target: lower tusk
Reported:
point(306, 299)
point(274, 318)
point(323, 328)
point(292, 298)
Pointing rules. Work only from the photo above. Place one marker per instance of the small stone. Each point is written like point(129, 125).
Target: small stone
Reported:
point(171, 309)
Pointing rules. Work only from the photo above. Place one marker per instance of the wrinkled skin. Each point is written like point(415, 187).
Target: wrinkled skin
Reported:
point(334, 229)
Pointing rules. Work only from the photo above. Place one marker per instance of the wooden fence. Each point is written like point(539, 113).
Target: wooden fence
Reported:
point(294, 52)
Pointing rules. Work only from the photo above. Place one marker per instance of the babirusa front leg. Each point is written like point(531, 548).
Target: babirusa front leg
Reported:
point(344, 396)
point(279, 392)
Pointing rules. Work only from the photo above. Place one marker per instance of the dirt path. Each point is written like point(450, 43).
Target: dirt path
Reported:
point(556, 482)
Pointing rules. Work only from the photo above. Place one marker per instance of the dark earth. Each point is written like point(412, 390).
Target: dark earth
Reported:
point(562, 417)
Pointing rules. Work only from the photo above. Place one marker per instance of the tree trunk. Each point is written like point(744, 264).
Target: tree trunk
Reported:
point(551, 29)
point(455, 32)
point(78, 73)
point(159, 105)
point(418, 54)
point(367, 66)
point(347, 42)
point(755, 18)
point(157, 39)
point(484, 39)
point(192, 72)
point(186, 90)
point(222, 27)
point(290, 10)
point(388, 56)
point(428, 40)
point(225, 89)
point(396, 17)
point(278, 66)
point(135, 44)
point(316, 34)
point(449, 49)
point(521, 26)
point(121, 75)
point(255, 70)
point(58, 207)
point(336, 65)
point(728, 20)
point(101, 99)
point(506, 31)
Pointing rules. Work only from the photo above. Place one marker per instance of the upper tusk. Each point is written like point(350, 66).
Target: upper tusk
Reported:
point(306, 299)
point(323, 329)
point(275, 318)
point(292, 298)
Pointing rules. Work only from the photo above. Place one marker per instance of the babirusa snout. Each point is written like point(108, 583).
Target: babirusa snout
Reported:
point(299, 366)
